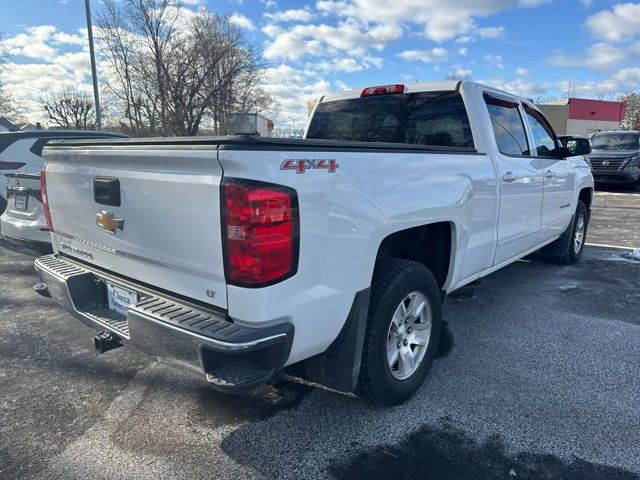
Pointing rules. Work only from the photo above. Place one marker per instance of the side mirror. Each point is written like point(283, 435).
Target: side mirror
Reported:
point(561, 152)
point(579, 146)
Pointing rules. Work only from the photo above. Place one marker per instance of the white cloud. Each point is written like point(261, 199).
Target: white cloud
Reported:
point(294, 15)
point(34, 43)
point(71, 38)
point(620, 23)
point(294, 88)
point(491, 32)
point(586, 3)
point(440, 20)
point(53, 60)
point(435, 55)
point(464, 39)
point(322, 39)
point(26, 83)
point(242, 21)
point(462, 51)
point(600, 56)
point(348, 65)
point(623, 80)
point(494, 61)
point(341, 85)
point(522, 72)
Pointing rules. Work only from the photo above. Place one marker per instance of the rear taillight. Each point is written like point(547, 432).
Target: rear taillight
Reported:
point(260, 229)
point(45, 202)
point(382, 90)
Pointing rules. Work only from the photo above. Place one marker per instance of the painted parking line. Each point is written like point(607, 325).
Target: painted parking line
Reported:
point(604, 245)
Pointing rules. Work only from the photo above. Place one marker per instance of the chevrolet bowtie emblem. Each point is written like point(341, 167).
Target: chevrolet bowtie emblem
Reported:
point(105, 220)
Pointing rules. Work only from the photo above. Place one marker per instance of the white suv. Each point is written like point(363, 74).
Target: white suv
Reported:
point(21, 161)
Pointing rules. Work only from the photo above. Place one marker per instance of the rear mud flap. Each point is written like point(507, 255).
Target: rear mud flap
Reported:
point(339, 366)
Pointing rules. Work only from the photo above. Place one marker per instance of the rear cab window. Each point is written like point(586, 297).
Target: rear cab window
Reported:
point(436, 119)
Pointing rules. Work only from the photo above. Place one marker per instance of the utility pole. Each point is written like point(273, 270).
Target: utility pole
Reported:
point(92, 53)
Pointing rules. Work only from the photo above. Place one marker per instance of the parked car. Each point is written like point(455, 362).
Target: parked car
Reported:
point(615, 157)
point(237, 256)
point(21, 161)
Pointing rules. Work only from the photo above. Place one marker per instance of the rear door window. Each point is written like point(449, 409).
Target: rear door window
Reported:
point(427, 118)
point(508, 127)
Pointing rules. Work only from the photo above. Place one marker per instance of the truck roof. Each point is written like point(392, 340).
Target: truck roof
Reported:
point(413, 87)
point(417, 87)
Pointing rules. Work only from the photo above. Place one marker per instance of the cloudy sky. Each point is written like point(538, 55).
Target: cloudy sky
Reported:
point(531, 47)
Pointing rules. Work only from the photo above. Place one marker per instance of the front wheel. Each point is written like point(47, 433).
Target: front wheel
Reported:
point(578, 235)
point(403, 331)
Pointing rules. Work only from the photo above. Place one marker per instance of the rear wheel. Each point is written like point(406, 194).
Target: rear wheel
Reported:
point(403, 331)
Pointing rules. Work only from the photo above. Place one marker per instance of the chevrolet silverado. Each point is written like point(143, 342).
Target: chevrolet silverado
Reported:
point(237, 257)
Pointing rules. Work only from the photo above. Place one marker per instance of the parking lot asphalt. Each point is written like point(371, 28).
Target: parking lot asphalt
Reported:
point(615, 218)
point(537, 377)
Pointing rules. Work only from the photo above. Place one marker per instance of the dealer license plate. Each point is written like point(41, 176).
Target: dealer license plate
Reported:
point(21, 201)
point(120, 299)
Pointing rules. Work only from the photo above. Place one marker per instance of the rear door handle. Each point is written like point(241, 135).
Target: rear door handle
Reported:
point(509, 177)
point(549, 174)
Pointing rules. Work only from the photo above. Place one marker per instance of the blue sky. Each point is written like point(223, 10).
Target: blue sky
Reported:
point(532, 47)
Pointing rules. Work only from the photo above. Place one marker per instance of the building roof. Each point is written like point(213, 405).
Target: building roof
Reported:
point(7, 124)
point(585, 109)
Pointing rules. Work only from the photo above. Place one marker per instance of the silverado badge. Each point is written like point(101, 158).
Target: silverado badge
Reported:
point(105, 220)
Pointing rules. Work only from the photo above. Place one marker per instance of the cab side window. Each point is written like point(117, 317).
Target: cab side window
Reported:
point(543, 137)
point(508, 127)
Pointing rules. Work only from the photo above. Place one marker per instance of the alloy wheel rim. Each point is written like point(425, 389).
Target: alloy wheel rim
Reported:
point(408, 336)
point(579, 235)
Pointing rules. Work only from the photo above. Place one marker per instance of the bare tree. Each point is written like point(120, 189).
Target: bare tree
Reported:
point(168, 75)
point(69, 109)
point(632, 113)
point(123, 82)
point(5, 100)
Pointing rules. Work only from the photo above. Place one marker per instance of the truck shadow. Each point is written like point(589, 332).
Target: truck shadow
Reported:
point(439, 451)
point(446, 452)
point(7, 248)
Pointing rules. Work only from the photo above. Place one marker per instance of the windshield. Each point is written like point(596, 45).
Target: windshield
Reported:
point(429, 118)
point(616, 141)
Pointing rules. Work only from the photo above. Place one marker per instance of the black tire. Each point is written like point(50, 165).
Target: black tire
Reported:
point(393, 280)
point(572, 255)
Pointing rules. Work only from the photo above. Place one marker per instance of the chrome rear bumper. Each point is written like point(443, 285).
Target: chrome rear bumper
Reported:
point(168, 329)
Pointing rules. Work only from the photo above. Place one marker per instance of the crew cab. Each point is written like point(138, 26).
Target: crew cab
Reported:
point(237, 257)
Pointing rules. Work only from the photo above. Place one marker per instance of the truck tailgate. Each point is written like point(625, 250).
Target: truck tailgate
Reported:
point(166, 230)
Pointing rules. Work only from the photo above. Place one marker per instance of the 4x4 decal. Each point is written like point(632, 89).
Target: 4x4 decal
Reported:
point(302, 165)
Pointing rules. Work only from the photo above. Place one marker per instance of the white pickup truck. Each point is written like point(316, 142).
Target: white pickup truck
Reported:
point(236, 257)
